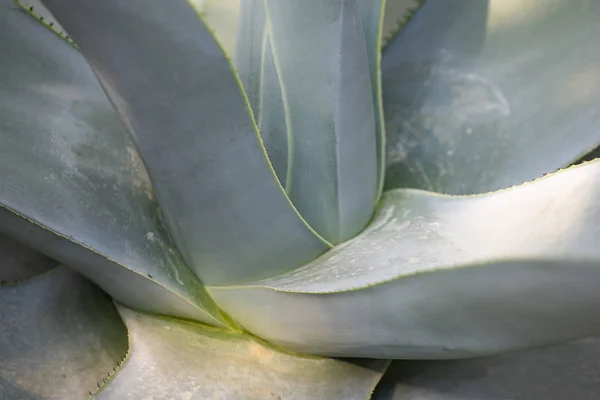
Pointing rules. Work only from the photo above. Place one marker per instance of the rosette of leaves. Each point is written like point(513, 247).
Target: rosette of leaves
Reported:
point(276, 208)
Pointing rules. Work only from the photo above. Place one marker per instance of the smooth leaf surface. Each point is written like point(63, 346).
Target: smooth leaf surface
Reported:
point(18, 262)
point(567, 371)
point(179, 360)
point(444, 277)
point(332, 176)
point(179, 98)
point(259, 75)
point(59, 336)
point(372, 14)
point(71, 183)
point(486, 94)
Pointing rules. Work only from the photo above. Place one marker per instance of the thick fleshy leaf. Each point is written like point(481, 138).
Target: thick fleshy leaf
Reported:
point(180, 360)
point(71, 182)
point(18, 262)
point(332, 176)
point(59, 336)
point(372, 13)
point(180, 99)
point(259, 75)
point(567, 371)
point(252, 37)
point(444, 277)
point(222, 17)
point(481, 95)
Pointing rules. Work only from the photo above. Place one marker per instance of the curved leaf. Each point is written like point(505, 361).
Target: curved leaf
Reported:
point(486, 94)
point(71, 183)
point(180, 99)
point(332, 177)
point(176, 360)
point(372, 13)
point(259, 74)
point(59, 336)
point(18, 262)
point(567, 371)
point(444, 277)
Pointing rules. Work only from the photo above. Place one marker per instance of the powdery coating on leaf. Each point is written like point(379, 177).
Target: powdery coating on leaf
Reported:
point(178, 360)
point(59, 336)
point(471, 87)
point(415, 232)
point(68, 165)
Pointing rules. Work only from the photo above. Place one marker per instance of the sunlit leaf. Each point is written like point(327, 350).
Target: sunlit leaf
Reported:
point(71, 183)
point(174, 88)
point(180, 360)
point(332, 172)
point(444, 277)
point(486, 94)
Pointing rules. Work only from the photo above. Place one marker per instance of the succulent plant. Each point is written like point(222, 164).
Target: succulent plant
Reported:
point(276, 209)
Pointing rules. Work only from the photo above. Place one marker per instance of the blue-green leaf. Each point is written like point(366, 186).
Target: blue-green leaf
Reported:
point(180, 99)
point(259, 75)
point(173, 360)
point(323, 62)
point(59, 336)
point(444, 277)
point(486, 94)
point(71, 183)
point(372, 13)
point(566, 371)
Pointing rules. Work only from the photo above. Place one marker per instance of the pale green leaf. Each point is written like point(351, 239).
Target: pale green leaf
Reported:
point(444, 277)
point(372, 14)
point(252, 37)
point(486, 94)
point(179, 97)
point(259, 75)
point(567, 371)
point(332, 176)
point(59, 336)
point(179, 360)
point(71, 183)
point(18, 262)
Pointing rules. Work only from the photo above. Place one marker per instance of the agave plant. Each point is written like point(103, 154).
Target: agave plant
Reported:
point(276, 208)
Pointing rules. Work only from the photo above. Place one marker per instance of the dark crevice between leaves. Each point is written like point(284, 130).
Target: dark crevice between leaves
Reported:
point(408, 14)
point(593, 154)
point(19, 263)
point(31, 10)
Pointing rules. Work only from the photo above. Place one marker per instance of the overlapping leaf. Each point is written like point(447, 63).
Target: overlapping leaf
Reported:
point(177, 360)
point(258, 71)
point(444, 277)
point(332, 172)
point(59, 336)
point(176, 91)
point(485, 94)
point(72, 184)
point(566, 371)
point(372, 14)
